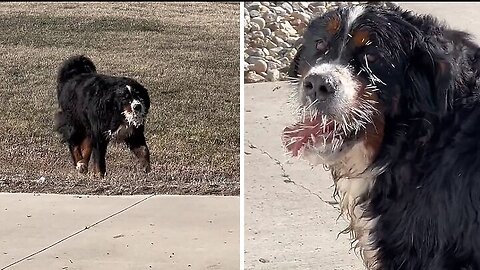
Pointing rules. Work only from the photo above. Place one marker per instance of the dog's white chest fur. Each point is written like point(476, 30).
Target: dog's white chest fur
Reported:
point(352, 187)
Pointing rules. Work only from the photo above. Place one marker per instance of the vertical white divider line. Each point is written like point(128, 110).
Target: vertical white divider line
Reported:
point(242, 148)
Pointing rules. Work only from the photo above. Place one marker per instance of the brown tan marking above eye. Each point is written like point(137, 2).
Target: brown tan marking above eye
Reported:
point(360, 38)
point(333, 25)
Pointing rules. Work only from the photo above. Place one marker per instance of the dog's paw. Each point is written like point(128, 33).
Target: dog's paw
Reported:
point(82, 167)
point(146, 167)
point(99, 174)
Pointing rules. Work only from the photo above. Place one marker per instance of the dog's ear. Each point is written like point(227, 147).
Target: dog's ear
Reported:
point(429, 80)
point(145, 97)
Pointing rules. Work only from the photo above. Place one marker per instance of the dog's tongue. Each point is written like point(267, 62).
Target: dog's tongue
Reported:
point(300, 134)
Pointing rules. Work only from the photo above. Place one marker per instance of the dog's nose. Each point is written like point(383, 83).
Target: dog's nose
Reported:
point(137, 107)
point(317, 87)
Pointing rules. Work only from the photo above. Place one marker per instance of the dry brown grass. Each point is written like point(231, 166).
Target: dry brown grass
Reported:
point(186, 54)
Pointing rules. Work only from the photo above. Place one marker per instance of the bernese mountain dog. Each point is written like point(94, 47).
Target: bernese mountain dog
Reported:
point(95, 109)
point(390, 104)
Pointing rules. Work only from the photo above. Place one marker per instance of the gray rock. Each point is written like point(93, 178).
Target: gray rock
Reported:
point(254, 13)
point(303, 4)
point(273, 75)
point(275, 51)
point(257, 43)
point(269, 44)
point(283, 44)
point(252, 77)
point(279, 10)
point(259, 21)
point(296, 6)
point(247, 28)
point(295, 22)
point(273, 65)
point(266, 32)
point(277, 40)
point(318, 10)
point(265, 51)
point(253, 59)
point(272, 59)
point(255, 52)
point(289, 28)
point(253, 6)
point(259, 66)
point(338, 4)
point(270, 17)
point(316, 4)
point(304, 10)
point(287, 7)
point(281, 33)
point(273, 26)
point(292, 40)
point(285, 61)
point(254, 26)
point(257, 34)
point(263, 9)
point(304, 17)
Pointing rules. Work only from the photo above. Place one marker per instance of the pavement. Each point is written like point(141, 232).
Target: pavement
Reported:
point(289, 220)
point(159, 232)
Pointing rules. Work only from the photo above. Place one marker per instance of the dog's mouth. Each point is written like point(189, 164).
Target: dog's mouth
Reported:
point(337, 109)
point(321, 134)
point(134, 114)
point(133, 119)
point(324, 137)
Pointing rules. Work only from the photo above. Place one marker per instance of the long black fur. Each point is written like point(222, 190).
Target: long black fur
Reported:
point(90, 109)
point(428, 199)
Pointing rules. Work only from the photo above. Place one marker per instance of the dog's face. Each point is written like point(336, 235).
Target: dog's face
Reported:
point(357, 67)
point(134, 103)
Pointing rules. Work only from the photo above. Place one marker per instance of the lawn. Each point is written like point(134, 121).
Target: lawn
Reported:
point(186, 54)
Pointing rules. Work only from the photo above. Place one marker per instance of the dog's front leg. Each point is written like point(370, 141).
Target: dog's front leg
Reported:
point(143, 155)
point(137, 144)
point(75, 153)
point(99, 152)
point(86, 151)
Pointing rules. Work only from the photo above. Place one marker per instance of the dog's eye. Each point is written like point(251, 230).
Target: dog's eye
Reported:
point(371, 57)
point(321, 45)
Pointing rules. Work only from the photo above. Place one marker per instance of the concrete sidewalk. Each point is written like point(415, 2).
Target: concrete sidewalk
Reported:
point(289, 223)
point(162, 232)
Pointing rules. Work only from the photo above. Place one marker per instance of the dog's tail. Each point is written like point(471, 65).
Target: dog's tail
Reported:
point(73, 66)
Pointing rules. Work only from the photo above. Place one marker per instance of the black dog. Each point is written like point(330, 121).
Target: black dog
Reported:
point(97, 108)
point(391, 103)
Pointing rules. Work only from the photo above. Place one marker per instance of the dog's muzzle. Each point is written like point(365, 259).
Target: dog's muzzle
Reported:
point(135, 113)
point(318, 87)
point(328, 86)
